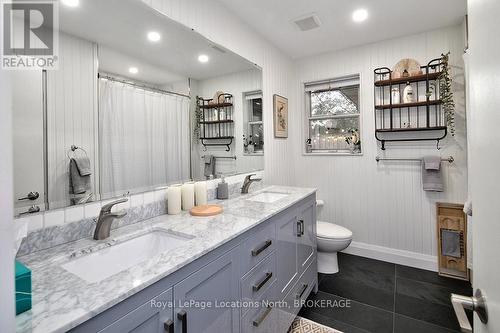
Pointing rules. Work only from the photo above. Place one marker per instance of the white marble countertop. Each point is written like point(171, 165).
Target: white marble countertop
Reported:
point(62, 301)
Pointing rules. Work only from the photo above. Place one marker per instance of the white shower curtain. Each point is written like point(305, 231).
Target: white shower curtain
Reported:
point(144, 138)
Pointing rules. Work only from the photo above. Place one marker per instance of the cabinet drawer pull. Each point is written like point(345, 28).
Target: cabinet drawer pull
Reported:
point(182, 316)
point(258, 251)
point(301, 227)
point(169, 326)
point(302, 291)
point(262, 283)
point(257, 322)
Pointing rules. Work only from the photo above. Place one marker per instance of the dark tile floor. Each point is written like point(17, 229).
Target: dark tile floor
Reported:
point(385, 298)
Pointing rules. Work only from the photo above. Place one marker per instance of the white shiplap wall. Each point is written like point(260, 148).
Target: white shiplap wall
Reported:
point(71, 113)
point(236, 84)
point(217, 23)
point(384, 204)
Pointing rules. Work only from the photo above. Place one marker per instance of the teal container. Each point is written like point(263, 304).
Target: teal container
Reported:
point(23, 288)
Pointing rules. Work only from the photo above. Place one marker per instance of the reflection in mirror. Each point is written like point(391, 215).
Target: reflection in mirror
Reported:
point(121, 113)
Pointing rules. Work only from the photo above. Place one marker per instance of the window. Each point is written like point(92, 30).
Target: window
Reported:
point(333, 116)
point(253, 141)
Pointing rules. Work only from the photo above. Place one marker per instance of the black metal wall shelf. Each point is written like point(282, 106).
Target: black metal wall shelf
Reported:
point(396, 121)
point(216, 123)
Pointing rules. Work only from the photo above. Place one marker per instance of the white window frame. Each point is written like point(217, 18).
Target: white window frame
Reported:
point(248, 96)
point(353, 79)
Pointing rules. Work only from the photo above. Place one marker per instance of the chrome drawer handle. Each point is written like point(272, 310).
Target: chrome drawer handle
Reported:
point(302, 291)
point(257, 322)
point(262, 283)
point(258, 251)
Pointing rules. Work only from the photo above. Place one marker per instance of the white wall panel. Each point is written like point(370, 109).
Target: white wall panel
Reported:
point(383, 204)
point(71, 113)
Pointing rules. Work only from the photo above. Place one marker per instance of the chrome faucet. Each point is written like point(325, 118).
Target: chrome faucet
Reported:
point(106, 218)
point(247, 182)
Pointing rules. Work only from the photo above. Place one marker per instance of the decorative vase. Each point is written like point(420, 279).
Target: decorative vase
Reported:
point(395, 95)
point(174, 201)
point(200, 193)
point(408, 94)
point(187, 194)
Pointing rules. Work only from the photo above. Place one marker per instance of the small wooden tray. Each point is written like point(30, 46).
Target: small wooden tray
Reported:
point(206, 210)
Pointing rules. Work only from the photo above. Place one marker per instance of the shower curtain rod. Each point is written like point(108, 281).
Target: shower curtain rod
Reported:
point(115, 79)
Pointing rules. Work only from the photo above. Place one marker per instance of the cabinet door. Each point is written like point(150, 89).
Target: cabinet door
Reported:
point(199, 298)
point(306, 242)
point(286, 250)
point(154, 316)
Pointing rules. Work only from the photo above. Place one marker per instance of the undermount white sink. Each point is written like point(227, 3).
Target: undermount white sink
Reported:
point(104, 263)
point(268, 197)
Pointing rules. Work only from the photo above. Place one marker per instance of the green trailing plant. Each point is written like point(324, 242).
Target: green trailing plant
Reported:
point(446, 93)
point(198, 117)
point(353, 138)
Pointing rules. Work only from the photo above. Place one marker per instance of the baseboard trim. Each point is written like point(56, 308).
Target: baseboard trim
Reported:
point(401, 257)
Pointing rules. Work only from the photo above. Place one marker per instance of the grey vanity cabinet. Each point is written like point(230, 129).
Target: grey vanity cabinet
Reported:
point(306, 241)
point(274, 261)
point(154, 316)
point(195, 298)
point(286, 244)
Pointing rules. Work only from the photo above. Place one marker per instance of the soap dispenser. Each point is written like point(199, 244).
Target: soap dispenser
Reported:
point(222, 189)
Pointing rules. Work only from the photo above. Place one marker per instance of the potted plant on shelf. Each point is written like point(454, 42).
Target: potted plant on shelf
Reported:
point(198, 117)
point(445, 92)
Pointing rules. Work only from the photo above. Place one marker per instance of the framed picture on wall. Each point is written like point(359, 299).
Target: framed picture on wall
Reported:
point(280, 109)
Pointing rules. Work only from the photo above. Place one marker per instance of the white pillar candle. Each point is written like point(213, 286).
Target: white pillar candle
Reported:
point(174, 199)
point(200, 193)
point(187, 195)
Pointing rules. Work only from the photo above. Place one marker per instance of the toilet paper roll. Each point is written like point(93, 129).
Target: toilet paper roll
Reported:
point(187, 190)
point(200, 193)
point(174, 199)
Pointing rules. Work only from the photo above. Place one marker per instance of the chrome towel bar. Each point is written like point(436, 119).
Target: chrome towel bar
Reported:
point(219, 157)
point(450, 159)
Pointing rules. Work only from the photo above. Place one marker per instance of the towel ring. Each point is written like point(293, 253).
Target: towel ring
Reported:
point(73, 149)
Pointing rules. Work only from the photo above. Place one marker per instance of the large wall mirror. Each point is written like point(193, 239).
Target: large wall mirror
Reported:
point(138, 102)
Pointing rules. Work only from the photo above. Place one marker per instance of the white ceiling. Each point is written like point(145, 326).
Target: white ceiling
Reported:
point(387, 19)
point(121, 34)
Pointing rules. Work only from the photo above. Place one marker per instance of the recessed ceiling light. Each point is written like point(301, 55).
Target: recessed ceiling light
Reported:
point(154, 36)
point(71, 3)
point(203, 58)
point(359, 15)
point(133, 70)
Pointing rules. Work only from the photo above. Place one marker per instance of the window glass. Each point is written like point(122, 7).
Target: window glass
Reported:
point(335, 102)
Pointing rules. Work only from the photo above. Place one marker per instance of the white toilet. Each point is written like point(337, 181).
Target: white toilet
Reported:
point(332, 238)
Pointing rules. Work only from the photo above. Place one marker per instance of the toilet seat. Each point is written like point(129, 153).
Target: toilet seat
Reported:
point(332, 231)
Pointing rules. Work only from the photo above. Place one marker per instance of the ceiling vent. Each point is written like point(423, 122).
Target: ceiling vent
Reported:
point(307, 22)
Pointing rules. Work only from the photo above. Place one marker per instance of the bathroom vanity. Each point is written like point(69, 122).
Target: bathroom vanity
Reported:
point(245, 270)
